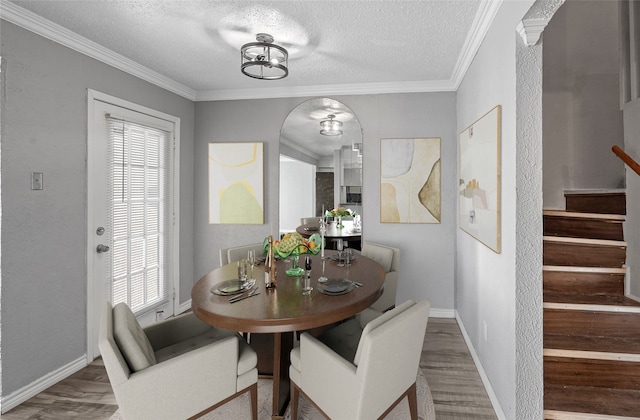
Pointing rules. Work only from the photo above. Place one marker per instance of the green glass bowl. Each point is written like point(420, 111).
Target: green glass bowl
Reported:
point(299, 250)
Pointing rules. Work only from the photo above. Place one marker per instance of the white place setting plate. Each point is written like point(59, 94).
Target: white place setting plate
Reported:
point(232, 287)
point(336, 286)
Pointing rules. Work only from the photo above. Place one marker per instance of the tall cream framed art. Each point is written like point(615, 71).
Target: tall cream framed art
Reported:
point(479, 179)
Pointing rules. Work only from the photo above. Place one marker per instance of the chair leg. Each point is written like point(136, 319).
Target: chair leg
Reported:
point(412, 396)
point(253, 394)
point(295, 394)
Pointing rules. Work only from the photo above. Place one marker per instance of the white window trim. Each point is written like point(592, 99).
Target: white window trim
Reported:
point(93, 310)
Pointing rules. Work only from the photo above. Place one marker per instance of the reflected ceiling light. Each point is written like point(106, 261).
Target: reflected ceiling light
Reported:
point(331, 127)
point(264, 59)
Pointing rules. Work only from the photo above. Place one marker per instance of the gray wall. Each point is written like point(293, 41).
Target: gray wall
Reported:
point(632, 224)
point(581, 101)
point(44, 129)
point(427, 250)
point(488, 285)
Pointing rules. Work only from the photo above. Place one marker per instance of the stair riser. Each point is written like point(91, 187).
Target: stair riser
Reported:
point(583, 228)
point(583, 255)
point(602, 401)
point(592, 373)
point(584, 323)
point(614, 203)
point(583, 283)
point(602, 384)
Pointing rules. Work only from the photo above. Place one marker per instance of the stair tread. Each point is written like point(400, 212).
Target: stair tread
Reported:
point(595, 400)
point(577, 298)
point(578, 269)
point(582, 215)
point(591, 343)
point(584, 241)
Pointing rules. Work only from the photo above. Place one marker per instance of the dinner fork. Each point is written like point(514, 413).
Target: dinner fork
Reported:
point(235, 299)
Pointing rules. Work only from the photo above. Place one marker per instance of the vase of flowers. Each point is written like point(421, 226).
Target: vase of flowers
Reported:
point(338, 213)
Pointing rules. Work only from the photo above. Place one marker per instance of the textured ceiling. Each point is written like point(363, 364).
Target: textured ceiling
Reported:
point(347, 43)
point(192, 48)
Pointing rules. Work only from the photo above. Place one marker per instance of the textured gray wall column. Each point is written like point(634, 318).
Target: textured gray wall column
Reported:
point(529, 380)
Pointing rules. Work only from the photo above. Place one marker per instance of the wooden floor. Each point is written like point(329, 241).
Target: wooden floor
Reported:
point(456, 387)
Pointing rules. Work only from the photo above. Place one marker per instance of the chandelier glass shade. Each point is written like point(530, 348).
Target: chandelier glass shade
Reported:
point(331, 127)
point(263, 59)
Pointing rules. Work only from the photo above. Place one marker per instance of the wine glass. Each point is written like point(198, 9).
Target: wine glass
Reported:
point(340, 246)
point(242, 271)
point(251, 258)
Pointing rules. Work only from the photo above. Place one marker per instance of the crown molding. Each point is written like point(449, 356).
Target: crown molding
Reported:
point(324, 90)
point(56, 33)
point(531, 30)
point(479, 28)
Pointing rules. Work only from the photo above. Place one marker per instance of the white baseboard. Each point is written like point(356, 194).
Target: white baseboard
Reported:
point(184, 307)
point(441, 313)
point(34, 388)
point(483, 376)
point(627, 285)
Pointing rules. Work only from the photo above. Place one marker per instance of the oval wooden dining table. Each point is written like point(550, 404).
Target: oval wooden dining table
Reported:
point(284, 310)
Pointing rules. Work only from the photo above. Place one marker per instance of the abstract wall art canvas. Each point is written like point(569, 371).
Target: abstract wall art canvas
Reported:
point(410, 180)
point(479, 179)
point(236, 183)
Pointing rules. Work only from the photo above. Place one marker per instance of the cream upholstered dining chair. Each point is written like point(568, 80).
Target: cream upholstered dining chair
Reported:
point(363, 376)
point(180, 368)
point(389, 258)
point(229, 255)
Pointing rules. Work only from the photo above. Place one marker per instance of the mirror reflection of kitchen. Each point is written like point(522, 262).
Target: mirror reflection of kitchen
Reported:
point(351, 185)
point(319, 170)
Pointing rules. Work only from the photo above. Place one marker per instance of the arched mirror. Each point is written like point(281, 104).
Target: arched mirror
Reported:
point(320, 161)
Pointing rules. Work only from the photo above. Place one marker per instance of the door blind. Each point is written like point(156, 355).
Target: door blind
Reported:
point(140, 215)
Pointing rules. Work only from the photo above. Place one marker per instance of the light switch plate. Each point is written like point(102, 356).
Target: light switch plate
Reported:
point(36, 181)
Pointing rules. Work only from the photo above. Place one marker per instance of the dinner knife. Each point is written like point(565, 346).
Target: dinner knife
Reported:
point(238, 299)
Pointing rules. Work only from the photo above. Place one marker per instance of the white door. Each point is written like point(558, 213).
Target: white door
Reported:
point(132, 236)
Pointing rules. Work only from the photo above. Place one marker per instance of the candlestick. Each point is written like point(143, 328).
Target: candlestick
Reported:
point(323, 229)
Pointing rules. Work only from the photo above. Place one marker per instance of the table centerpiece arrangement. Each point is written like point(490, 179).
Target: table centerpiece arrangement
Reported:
point(338, 213)
point(293, 245)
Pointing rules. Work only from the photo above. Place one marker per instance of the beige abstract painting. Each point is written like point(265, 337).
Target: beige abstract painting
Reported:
point(479, 180)
point(410, 180)
point(236, 183)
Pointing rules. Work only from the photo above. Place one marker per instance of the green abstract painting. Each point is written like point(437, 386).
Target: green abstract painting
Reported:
point(236, 183)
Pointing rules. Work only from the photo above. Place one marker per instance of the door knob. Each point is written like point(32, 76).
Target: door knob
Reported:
point(102, 248)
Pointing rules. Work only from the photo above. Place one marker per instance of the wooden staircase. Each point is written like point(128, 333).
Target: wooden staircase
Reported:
point(591, 330)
